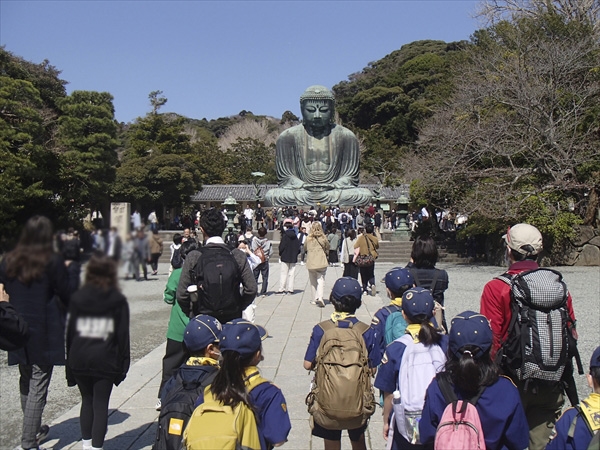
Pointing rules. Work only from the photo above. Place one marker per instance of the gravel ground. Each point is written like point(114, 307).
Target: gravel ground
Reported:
point(149, 317)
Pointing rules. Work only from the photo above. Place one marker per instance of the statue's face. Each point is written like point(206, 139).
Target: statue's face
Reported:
point(316, 113)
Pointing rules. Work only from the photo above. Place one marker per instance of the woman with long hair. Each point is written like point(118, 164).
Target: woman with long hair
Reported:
point(423, 258)
point(98, 351)
point(350, 269)
point(239, 382)
point(367, 244)
point(317, 251)
point(470, 372)
point(38, 285)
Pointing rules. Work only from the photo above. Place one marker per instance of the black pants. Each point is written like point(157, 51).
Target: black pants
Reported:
point(93, 418)
point(154, 261)
point(367, 276)
point(174, 357)
point(350, 270)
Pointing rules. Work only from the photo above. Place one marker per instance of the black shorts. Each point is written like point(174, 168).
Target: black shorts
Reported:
point(336, 435)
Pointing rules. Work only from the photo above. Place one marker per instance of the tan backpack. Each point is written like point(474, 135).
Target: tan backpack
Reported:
point(342, 396)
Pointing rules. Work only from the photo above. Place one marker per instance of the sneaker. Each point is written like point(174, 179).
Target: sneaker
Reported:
point(158, 405)
point(320, 303)
point(301, 263)
point(42, 433)
point(280, 292)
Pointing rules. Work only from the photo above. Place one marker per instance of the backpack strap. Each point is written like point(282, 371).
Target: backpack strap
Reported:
point(434, 281)
point(392, 308)
point(446, 388)
point(449, 395)
point(360, 326)
point(253, 380)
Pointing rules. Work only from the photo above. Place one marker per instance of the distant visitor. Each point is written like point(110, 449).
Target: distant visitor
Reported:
point(318, 161)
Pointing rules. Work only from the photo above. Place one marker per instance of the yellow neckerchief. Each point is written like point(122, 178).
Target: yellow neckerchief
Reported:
point(413, 330)
point(590, 407)
point(397, 302)
point(201, 361)
point(249, 373)
point(335, 316)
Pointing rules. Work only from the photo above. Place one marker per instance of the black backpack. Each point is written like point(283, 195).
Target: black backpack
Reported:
point(540, 344)
point(177, 408)
point(218, 276)
point(231, 240)
point(176, 259)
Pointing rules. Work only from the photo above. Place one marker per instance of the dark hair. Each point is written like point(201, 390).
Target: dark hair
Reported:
point(351, 233)
point(29, 259)
point(595, 373)
point(187, 247)
point(427, 334)
point(101, 272)
point(262, 231)
point(177, 238)
point(402, 290)
point(424, 252)
point(518, 256)
point(212, 222)
point(369, 228)
point(470, 374)
point(347, 303)
point(229, 386)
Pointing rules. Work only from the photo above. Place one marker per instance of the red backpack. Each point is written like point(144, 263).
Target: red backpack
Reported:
point(459, 426)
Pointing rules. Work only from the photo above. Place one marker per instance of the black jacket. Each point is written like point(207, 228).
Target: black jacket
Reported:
point(43, 306)
point(289, 247)
point(98, 334)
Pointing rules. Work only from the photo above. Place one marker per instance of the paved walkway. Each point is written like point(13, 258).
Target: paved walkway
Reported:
point(289, 320)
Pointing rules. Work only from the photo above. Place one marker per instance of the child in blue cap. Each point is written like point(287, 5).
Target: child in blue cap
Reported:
point(577, 426)
point(407, 367)
point(468, 369)
point(346, 299)
point(239, 380)
point(397, 282)
point(201, 343)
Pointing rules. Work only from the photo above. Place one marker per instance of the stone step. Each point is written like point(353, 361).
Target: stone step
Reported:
point(396, 252)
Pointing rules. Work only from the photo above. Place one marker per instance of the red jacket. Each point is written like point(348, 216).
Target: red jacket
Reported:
point(495, 303)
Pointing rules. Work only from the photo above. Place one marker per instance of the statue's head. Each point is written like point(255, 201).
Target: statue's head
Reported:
point(317, 104)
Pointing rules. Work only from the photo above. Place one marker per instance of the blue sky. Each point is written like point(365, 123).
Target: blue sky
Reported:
point(213, 59)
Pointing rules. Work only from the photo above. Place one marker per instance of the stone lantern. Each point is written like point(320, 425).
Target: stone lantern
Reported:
point(402, 212)
point(230, 205)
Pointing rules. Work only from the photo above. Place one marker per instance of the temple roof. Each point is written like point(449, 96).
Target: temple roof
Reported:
point(247, 192)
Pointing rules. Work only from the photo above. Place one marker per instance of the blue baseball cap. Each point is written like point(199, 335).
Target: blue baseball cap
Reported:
point(346, 286)
point(418, 301)
point(201, 331)
point(398, 277)
point(595, 361)
point(470, 328)
point(242, 336)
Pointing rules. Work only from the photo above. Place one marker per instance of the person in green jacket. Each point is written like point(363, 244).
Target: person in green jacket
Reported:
point(174, 353)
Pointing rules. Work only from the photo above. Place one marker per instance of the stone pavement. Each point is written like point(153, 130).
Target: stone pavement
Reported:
point(289, 320)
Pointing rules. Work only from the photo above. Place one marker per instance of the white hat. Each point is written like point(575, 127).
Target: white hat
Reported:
point(524, 238)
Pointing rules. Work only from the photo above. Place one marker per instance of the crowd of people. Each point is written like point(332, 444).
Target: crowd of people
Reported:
point(433, 377)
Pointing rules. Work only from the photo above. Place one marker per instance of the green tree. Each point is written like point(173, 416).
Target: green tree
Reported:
point(88, 158)
point(519, 140)
point(159, 166)
point(22, 153)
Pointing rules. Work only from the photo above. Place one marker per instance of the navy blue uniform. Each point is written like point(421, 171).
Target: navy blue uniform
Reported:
point(368, 336)
point(582, 436)
point(500, 411)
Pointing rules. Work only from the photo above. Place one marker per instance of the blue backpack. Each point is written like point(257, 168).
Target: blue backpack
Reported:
point(395, 324)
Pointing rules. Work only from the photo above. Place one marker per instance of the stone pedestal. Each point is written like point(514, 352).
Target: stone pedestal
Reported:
point(120, 217)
